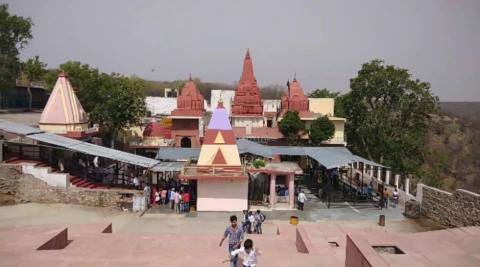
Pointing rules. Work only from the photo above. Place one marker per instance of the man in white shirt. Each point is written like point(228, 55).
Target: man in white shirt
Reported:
point(301, 200)
point(249, 254)
point(136, 182)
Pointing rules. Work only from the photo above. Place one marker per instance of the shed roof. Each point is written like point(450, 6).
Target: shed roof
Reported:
point(76, 145)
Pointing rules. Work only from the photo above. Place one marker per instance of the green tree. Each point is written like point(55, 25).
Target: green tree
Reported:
point(122, 105)
point(324, 93)
point(33, 70)
point(322, 129)
point(291, 126)
point(15, 32)
point(387, 116)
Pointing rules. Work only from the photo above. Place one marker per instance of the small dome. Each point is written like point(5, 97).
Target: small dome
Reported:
point(154, 129)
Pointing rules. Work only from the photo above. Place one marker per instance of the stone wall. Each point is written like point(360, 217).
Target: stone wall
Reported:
point(16, 187)
point(457, 209)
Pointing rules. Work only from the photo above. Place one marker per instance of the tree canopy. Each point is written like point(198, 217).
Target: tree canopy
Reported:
point(322, 129)
point(387, 116)
point(15, 32)
point(111, 100)
point(291, 125)
point(323, 93)
point(33, 70)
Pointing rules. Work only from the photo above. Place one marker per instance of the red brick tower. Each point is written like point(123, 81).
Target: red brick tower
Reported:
point(247, 100)
point(187, 118)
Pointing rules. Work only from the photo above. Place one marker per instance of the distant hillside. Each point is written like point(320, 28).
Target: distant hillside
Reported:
point(453, 147)
point(469, 111)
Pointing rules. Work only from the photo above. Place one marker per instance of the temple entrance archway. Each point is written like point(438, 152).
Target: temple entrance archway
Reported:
point(185, 142)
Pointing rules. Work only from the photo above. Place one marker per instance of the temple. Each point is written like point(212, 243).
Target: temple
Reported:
point(247, 107)
point(187, 118)
point(295, 100)
point(63, 113)
point(222, 182)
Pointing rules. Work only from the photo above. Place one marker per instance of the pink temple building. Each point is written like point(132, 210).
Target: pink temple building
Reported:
point(187, 118)
point(63, 113)
point(222, 182)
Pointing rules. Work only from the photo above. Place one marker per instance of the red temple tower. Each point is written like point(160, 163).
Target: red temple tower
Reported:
point(187, 118)
point(295, 99)
point(247, 97)
point(247, 107)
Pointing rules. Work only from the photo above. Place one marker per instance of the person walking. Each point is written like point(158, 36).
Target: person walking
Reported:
point(163, 196)
point(259, 219)
point(251, 222)
point(235, 237)
point(172, 198)
point(385, 198)
point(249, 254)
point(395, 197)
point(186, 201)
point(176, 199)
point(301, 200)
point(146, 191)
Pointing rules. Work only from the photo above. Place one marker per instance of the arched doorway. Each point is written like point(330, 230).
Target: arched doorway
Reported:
point(185, 142)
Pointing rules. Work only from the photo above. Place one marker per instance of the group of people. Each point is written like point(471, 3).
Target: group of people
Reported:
point(179, 200)
point(252, 222)
point(386, 195)
point(235, 236)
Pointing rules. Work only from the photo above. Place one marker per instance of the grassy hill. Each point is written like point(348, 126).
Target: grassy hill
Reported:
point(453, 147)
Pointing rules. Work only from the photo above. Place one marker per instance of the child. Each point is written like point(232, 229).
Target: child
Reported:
point(249, 254)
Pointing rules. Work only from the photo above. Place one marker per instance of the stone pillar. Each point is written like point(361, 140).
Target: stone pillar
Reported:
point(379, 173)
point(370, 170)
point(387, 177)
point(407, 186)
point(364, 168)
point(291, 190)
point(273, 192)
point(397, 180)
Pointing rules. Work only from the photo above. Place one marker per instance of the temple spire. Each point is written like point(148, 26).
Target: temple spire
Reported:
point(247, 73)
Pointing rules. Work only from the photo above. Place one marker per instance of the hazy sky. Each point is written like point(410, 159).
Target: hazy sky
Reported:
point(325, 42)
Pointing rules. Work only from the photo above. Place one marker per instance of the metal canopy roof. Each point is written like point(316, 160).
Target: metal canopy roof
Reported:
point(330, 157)
point(175, 166)
point(18, 128)
point(177, 153)
point(76, 145)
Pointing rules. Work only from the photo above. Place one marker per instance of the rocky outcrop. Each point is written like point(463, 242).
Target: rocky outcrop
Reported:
point(412, 209)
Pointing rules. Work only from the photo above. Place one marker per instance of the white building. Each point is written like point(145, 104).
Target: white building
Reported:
point(226, 96)
point(271, 105)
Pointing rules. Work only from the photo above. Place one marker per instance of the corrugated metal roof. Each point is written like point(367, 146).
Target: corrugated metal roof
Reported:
point(94, 150)
point(17, 128)
point(76, 145)
point(177, 153)
point(330, 157)
point(168, 166)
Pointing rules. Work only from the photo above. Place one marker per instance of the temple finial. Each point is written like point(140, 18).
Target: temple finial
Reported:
point(295, 76)
point(190, 76)
point(248, 53)
point(62, 73)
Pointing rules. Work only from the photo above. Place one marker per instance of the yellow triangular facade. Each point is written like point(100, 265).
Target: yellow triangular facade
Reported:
point(219, 139)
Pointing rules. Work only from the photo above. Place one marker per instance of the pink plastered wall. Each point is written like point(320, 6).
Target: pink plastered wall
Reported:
point(222, 195)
